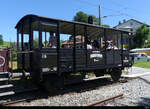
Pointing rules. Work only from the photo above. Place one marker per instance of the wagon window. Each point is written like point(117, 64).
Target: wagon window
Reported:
point(118, 34)
point(94, 37)
point(26, 42)
point(35, 39)
point(101, 38)
point(80, 38)
point(125, 41)
point(49, 38)
point(66, 36)
point(112, 40)
point(19, 42)
point(66, 41)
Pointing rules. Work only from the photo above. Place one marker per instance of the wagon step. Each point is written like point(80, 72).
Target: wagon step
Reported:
point(7, 93)
point(2, 73)
point(6, 86)
point(4, 79)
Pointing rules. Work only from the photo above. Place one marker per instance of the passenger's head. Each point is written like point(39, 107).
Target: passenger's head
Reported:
point(51, 33)
point(111, 41)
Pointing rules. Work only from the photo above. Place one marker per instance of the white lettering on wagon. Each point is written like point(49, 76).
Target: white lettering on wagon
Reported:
point(96, 57)
point(49, 69)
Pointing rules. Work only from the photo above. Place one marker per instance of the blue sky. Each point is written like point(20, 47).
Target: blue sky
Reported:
point(11, 11)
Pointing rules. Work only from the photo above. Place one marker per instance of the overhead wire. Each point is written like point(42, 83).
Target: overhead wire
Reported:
point(95, 6)
point(126, 8)
point(112, 10)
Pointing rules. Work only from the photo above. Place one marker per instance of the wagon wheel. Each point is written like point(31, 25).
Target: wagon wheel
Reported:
point(116, 74)
point(53, 83)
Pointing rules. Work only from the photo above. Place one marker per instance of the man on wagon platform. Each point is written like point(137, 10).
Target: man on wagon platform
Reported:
point(52, 40)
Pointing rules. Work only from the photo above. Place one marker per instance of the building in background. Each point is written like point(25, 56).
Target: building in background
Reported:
point(79, 42)
point(130, 25)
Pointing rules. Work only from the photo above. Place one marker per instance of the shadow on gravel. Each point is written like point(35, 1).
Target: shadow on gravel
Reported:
point(144, 102)
point(87, 86)
point(69, 89)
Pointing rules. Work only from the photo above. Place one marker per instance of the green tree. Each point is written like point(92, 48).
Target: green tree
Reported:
point(1, 40)
point(83, 17)
point(105, 25)
point(142, 34)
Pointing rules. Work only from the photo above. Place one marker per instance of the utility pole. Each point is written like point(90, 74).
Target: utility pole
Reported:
point(100, 18)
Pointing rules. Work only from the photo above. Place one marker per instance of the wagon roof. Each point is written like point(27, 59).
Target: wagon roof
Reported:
point(63, 21)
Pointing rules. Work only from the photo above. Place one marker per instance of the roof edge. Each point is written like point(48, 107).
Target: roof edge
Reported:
point(28, 15)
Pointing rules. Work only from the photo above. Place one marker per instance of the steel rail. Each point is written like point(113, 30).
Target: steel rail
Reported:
point(16, 102)
point(21, 100)
point(105, 100)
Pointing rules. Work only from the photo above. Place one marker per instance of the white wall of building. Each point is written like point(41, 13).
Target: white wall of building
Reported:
point(130, 25)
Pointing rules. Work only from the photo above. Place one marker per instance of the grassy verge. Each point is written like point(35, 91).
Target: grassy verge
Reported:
point(14, 65)
point(142, 64)
point(5, 44)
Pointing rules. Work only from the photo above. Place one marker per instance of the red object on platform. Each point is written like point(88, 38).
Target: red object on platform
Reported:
point(4, 60)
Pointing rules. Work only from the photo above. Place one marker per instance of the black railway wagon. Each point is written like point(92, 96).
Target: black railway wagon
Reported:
point(49, 65)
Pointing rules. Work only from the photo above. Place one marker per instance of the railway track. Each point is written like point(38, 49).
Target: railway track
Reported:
point(69, 89)
point(14, 99)
point(101, 102)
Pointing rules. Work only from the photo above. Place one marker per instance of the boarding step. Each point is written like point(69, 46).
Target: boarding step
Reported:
point(7, 93)
point(5, 88)
point(4, 79)
point(4, 74)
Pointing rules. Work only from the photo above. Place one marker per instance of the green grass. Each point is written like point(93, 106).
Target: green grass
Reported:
point(142, 64)
point(5, 44)
point(14, 65)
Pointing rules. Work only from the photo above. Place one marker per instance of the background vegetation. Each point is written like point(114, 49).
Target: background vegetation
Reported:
point(83, 17)
point(142, 64)
point(142, 34)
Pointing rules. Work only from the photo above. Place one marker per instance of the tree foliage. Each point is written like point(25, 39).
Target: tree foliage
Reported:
point(1, 40)
point(142, 34)
point(83, 17)
point(105, 25)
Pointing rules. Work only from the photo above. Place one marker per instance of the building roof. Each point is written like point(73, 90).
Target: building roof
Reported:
point(131, 20)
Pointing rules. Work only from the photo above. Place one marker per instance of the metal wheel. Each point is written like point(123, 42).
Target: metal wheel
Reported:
point(116, 74)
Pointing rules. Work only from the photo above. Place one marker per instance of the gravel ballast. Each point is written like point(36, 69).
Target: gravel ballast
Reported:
point(136, 93)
